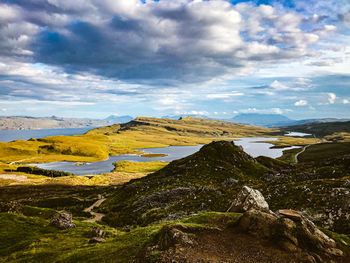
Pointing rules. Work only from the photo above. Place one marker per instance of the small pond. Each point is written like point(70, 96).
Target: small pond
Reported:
point(297, 134)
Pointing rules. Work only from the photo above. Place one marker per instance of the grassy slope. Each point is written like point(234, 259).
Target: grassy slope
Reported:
point(143, 202)
point(206, 175)
point(321, 129)
point(202, 175)
point(31, 239)
point(319, 152)
point(98, 144)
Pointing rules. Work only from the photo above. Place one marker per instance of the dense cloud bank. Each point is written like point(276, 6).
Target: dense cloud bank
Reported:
point(128, 39)
point(107, 49)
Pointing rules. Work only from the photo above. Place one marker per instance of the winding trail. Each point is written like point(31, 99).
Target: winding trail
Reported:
point(305, 147)
point(96, 216)
point(303, 150)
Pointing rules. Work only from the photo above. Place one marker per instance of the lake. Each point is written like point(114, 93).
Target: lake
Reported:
point(11, 135)
point(297, 134)
point(254, 146)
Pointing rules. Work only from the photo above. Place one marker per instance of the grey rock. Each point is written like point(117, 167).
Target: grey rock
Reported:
point(62, 220)
point(258, 223)
point(98, 232)
point(230, 182)
point(247, 199)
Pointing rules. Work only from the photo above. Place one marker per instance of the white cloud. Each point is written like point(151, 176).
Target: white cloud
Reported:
point(195, 112)
point(301, 103)
point(303, 81)
point(278, 86)
point(278, 111)
point(168, 38)
point(264, 92)
point(263, 111)
point(331, 98)
point(346, 101)
point(224, 95)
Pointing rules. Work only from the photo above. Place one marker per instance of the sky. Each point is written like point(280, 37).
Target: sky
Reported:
point(216, 58)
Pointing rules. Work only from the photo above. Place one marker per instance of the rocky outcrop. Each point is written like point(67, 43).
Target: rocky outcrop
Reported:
point(62, 220)
point(174, 235)
point(98, 235)
point(258, 223)
point(288, 228)
point(248, 199)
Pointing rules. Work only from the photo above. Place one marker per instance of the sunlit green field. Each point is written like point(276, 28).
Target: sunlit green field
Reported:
point(99, 144)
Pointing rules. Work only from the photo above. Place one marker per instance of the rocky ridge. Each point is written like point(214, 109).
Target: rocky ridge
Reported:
point(285, 236)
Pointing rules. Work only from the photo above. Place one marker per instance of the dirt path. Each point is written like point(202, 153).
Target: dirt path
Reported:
point(303, 150)
point(96, 216)
point(229, 246)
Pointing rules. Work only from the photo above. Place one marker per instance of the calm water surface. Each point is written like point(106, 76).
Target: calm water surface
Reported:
point(252, 145)
point(297, 134)
point(11, 135)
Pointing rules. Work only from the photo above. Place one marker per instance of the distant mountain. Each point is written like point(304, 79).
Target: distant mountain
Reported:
point(277, 120)
point(119, 119)
point(265, 120)
point(33, 123)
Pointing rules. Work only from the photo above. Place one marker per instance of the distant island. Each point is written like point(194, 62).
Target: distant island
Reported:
point(54, 122)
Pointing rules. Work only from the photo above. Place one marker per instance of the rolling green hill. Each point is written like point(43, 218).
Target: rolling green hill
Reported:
point(320, 129)
point(191, 195)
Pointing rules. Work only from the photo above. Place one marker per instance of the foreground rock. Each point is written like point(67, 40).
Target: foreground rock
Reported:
point(62, 220)
point(289, 229)
point(248, 199)
point(257, 235)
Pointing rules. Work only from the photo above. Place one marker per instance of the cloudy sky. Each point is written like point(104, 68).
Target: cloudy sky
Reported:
point(93, 58)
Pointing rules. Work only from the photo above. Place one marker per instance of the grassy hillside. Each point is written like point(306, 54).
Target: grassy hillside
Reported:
point(117, 139)
point(192, 194)
point(320, 152)
point(321, 129)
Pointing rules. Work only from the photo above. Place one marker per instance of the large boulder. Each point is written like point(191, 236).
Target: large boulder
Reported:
point(258, 223)
point(248, 199)
point(62, 220)
point(293, 232)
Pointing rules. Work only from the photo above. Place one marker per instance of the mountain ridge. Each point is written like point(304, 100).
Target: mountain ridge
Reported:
point(276, 120)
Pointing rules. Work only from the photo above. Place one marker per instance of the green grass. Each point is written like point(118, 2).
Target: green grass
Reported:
point(213, 219)
point(153, 155)
point(98, 144)
point(19, 232)
point(31, 239)
point(286, 141)
point(319, 152)
point(203, 174)
point(289, 155)
point(343, 241)
point(321, 129)
point(139, 167)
